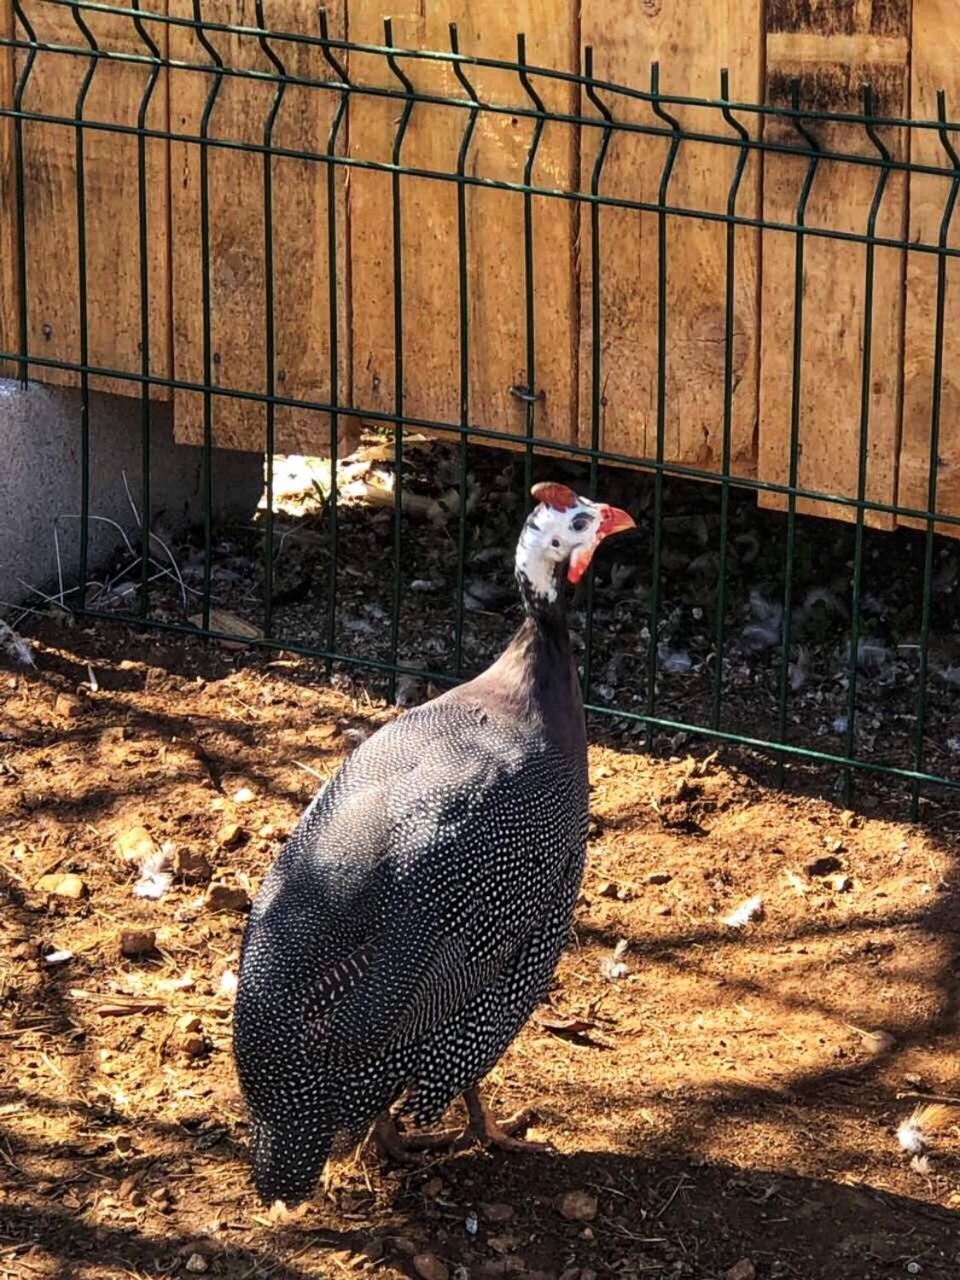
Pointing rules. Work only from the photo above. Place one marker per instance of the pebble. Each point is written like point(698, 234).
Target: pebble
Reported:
point(742, 1270)
point(226, 897)
point(191, 864)
point(497, 1212)
point(137, 942)
point(62, 886)
point(135, 844)
point(659, 877)
point(197, 1263)
point(577, 1206)
point(243, 796)
point(429, 1267)
point(229, 835)
point(67, 706)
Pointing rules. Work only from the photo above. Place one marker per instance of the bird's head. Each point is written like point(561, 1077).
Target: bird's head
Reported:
point(559, 539)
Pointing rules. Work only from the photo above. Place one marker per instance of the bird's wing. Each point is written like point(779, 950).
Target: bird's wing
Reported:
point(450, 844)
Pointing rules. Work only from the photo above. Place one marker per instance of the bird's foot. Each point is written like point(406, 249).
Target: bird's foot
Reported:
point(403, 1147)
point(483, 1128)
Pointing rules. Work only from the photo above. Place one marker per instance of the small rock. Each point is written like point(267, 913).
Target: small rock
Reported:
point(128, 665)
point(429, 1267)
point(497, 1212)
point(404, 1245)
point(841, 884)
point(197, 1263)
point(67, 706)
point(577, 1206)
point(587, 1234)
point(243, 796)
point(608, 889)
point(226, 897)
point(193, 1046)
point(191, 864)
point(137, 942)
point(659, 877)
point(433, 1188)
point(914, 1080)
point(135, 844)
point(68, 886)
point(833, 844)
point(229, 835)
point(57, 957)
point(742, 1270)
point(188, 1022)
point(824, 866)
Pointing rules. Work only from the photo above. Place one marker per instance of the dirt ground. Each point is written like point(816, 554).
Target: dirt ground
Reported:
point(725, 1099)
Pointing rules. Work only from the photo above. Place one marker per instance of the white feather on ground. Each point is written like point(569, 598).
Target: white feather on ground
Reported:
point(915, 1134)
point(750, 910)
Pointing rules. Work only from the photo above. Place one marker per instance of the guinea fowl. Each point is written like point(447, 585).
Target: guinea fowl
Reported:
point(415, 917)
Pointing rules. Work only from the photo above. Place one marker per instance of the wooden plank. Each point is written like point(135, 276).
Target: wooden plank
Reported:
point(935, 65)
point(111, 187)
point(692, 43)
point(236, 222)
point(833, 50)
point(431, 332)
point(9, 290)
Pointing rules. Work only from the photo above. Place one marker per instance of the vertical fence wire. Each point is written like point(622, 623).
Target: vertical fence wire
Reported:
point(397, 222)
point(20, 165)
point(813, 148)
point(728, 325)
point(207, 304)
point(863, 454)
point(83, 317)
point(596, 320)
point(656, 566)
point(464, 344)
point(270, 385)
point(333, 500)
point(932, 476)
point(529, 394)
point(143, 250)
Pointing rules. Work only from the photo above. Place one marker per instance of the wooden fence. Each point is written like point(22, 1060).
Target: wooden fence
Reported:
point(906, 49)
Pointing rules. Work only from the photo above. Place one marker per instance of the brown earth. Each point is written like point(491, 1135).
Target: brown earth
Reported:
point(731, 1100)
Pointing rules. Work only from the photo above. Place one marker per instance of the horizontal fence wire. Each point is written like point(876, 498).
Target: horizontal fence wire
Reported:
point(739, 125)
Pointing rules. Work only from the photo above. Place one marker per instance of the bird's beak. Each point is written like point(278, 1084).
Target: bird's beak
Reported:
point(612, 520)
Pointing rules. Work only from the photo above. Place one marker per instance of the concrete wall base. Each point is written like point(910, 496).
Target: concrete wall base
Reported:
point(40, 480)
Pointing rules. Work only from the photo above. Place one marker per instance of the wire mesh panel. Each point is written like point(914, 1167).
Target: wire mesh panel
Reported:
point(281, 272)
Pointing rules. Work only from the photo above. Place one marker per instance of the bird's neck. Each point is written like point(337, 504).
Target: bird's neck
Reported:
point(536, 678)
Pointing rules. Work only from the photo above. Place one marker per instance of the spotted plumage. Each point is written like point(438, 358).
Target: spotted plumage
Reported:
point(416, 915)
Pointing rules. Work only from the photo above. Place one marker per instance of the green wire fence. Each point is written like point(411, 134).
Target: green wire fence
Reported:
point(600, 100)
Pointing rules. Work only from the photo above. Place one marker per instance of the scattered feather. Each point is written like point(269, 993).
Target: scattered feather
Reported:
point(410, 692)
point(613, 966)
point(915, 1134)
point(798, 669)
point(752, 909)
point(764, 632)
point(797, 883)
point(472, 1223)
point(950, 675)
point(839, 724)
point(922, 1164)
point(13, 644)
point(872, 656)
point(356, 736)
point(674, 660)
point(156, 873)
point(426, 586)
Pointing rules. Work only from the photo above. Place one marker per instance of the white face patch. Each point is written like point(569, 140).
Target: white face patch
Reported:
point(550, 537)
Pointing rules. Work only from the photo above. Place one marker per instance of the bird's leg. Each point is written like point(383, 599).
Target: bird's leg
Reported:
point(401, 1146)
point(487, 1131)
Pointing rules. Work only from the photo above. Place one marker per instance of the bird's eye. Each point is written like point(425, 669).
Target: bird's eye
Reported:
point(555, 542)
point(580, 523)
